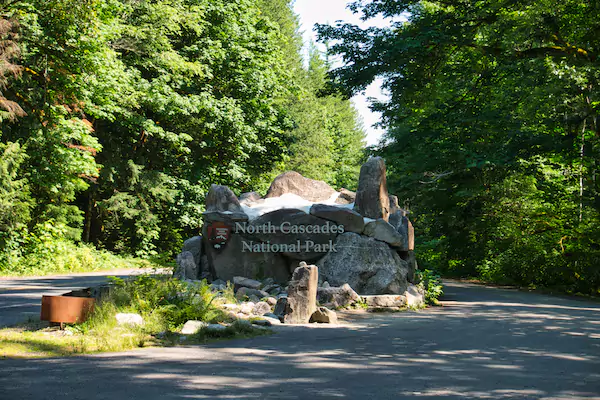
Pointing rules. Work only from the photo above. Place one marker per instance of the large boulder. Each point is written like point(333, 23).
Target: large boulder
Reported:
point(337, 297)
point(350, 220)
point(194, 246)
point(221, 198)
point(346, 197)
point(372, 199)
point(302, 295)
point(308, 189)
point(383, 231)
point(294, 233)
point(186, 266)
point(367, 265)
point(234, 259)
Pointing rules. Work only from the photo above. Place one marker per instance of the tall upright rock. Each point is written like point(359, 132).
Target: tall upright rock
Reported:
point(302, 295)
point(372, 198)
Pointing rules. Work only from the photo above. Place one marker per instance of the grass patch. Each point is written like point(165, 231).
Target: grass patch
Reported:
point(164, 303)
point(63, 257)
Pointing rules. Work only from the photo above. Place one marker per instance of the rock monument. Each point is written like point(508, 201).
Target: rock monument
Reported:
point(363, 240)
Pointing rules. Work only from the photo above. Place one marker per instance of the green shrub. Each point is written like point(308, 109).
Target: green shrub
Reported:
point(169, 301)
point(431, 283)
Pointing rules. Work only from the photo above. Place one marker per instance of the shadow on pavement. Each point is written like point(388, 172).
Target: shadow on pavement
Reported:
point(483, 344)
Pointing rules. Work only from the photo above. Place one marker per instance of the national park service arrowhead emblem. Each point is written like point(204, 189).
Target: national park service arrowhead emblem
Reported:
point(218, 234)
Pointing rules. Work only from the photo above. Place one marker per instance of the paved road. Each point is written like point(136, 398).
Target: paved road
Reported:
point(485, 343)
point(20, 298)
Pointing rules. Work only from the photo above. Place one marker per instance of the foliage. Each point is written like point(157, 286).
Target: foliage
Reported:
point(164, 303)
point(116, 116)
point(491, 131)
point(170, 300)
point(47, 255)
point(431, 283)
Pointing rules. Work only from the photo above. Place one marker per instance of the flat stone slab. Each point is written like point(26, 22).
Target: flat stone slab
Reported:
point(385, 300)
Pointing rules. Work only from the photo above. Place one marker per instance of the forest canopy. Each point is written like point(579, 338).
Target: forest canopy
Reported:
point(117, 115)
point(492, 131)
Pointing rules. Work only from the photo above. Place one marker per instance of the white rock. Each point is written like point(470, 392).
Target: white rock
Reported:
point(247, 307)
point(192, 326)
point(129, 319)
point(415, 298)
point(261, 308)
point(230, 307)
point(271, 301)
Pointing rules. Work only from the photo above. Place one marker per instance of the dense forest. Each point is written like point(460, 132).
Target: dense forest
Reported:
point(492, 131)
point(117, 115)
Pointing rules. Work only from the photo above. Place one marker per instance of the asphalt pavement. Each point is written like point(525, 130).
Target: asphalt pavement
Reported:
point(484, 343)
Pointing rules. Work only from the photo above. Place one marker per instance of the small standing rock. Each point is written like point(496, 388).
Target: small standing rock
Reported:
point(302, 294)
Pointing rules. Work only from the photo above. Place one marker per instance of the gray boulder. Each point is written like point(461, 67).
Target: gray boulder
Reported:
point(281, 308)
point(244, 292)
point(262, 322)
point(221, 198)
point(342, 296)
point(349, 219)
point(324, 316)
point(367, 265)
point(308, 189)
point(383, 231)
point(346, 197)
point(240, 282)
point(314, 235)
point(302, 295)
point(402, 224)
point(194, 246)
point(186, 266)
point(205, 272)
point(372, 199)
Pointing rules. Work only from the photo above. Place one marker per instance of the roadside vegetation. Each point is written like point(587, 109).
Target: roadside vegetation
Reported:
point(492, 132)
point(164, 304)
point(116, 116)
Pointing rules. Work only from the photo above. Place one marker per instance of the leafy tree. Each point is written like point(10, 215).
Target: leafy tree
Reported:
point(492, 134)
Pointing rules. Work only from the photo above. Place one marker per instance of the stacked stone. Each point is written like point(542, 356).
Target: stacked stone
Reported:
point(374, 253)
